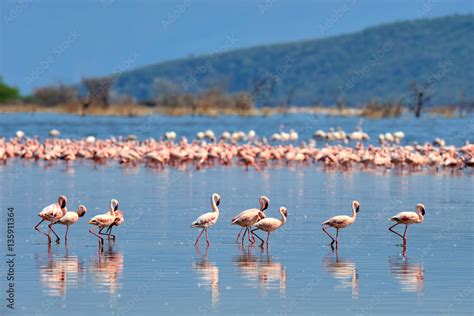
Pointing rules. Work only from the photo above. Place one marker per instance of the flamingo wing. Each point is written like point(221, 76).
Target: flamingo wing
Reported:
point(204, 219)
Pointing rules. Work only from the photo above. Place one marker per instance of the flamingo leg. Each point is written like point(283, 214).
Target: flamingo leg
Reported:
point(333, 240)
point(268, 236)
point(101, 240)
point(249, 235)
point(51, 229)
point(237, 240)
point(103, 234)
point(109, 232)
point(390, 229)
point(207, 238)
point(65, 236)
point(337, 234)
point(252, 235)
point(257, 236)
point(37, 228)
point(245, 231)
point(405, 234)
point(199, 236)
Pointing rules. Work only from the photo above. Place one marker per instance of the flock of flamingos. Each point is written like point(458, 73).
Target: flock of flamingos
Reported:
point(255, 218)
point(245, 149)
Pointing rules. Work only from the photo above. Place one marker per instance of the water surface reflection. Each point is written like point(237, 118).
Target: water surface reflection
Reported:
point(209, 274)
point(261, 271)
point(344, 271)
point(411, 275)
point(58, 273)
point(106, 270)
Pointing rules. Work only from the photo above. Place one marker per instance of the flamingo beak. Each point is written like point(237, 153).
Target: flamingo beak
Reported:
point(422, 211)
point(218, 201)
point(357, 208)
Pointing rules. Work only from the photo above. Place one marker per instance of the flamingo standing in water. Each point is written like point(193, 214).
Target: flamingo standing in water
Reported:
point(71, 218)
point(208, 219)
point(270, 224)
point(341, 221)
point(249, 217)
point(52, 213)
point(104, 220)
point(117, 222)
point(408, 218)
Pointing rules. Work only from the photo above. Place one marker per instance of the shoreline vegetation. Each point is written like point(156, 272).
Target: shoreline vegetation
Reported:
point(372, 110)
point(100, 99)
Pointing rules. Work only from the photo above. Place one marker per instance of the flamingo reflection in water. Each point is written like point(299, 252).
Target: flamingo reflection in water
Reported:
point(263, 270)
point(106, 269)
point(209, 275)
point(59, 273)
point(343, 270)
point(411, 275)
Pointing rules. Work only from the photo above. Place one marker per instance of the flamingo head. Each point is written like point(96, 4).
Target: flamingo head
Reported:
point(283, 211)
point(356, 206)
point(81, 210)
point(62, 201)
point(114, 204)
point(217, 199)
point(421, 209)
point(264, 202)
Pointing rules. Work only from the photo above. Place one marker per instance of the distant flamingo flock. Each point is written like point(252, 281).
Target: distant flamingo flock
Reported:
point(245, 149)
point(57, 213)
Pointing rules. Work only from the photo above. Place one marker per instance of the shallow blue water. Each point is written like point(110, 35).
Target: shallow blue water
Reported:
point(153, 266)
point(454, 130)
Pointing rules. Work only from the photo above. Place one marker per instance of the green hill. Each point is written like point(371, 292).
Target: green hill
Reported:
point(377, 63)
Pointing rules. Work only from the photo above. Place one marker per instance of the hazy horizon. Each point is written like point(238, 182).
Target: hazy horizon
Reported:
point(39, 48)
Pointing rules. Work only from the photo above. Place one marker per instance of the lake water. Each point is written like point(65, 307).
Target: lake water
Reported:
point(154, 268)
point(454, 130)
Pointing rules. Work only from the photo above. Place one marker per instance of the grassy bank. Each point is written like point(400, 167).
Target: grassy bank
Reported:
point(372, 111)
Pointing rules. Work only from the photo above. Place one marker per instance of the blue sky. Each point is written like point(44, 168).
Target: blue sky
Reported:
point(48, 42)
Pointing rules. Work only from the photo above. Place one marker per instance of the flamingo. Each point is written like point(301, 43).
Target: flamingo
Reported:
point(270, 224)
point(208, 219)
point(52, 213)
point(117, 222)
point(341, 221)
point(408, 218)
point(71, 218)
point(104, 220)
point(247, 218)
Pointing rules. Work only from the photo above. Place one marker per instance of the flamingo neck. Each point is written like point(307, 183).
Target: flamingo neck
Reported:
point(283, 218)
point(354, 214)
point(214, 206)
point(421, 217)
point(112, 210)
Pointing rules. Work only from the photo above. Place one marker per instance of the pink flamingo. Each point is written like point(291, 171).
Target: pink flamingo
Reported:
point(249, 217)
point(408, 218)
point(71, 218)
point(104, 220)
point(208, 219)
point(270, 224)
point(52, 213)
point(341, 221)
point(117, 222)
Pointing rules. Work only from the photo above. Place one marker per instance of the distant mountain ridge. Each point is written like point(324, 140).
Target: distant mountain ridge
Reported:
point(380, 63)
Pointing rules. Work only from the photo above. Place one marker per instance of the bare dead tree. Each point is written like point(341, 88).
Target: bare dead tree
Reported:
point(289, 98)
point(99, 89)
point(421, 96)
point(270, 89)
point(55, 95)
point(340, 104)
